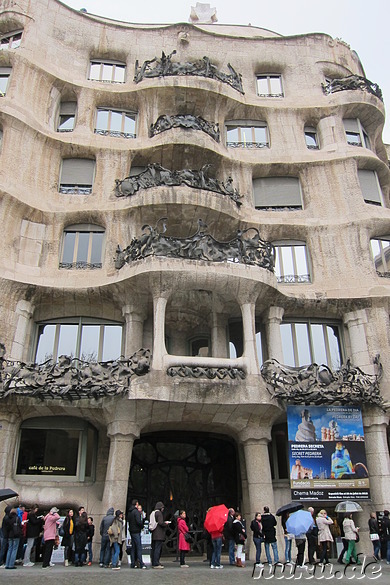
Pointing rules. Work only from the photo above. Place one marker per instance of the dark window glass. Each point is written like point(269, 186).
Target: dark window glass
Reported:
point(48, 452)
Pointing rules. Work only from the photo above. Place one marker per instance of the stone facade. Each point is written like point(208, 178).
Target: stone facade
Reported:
point(186, 307)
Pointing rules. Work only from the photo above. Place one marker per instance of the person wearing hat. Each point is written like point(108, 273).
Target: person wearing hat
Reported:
point(115, 534)
point(158, 535)
point(49, 534)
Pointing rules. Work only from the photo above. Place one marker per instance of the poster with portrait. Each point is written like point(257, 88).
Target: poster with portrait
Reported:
point(327, 454)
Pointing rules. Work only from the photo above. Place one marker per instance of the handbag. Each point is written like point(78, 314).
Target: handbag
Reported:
point(374, 536)
point(188, 538)
point(357, 538)
point(241, 537)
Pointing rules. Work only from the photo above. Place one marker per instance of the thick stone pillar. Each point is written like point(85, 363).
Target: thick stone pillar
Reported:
point(356, 322)
point(24, 312)
point(377, 453)
point(274, 338)
point(159, 349)
point(258, 470)
point(249, 332)
point(135, 316)
point(219, 342)
point(122, 435)
point(8, 431)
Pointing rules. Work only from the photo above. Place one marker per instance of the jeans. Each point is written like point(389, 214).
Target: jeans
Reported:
point(13, 545)
point(300, 543)
point(217, 548)
point(274, 551)
point(377, 547)
point(324, 551)
point(231, 551)
point(79, 558)
point(257, 542)
point(287, 549)
point(27, 552)
point(388, 551)
point(156, 552)
point(115, 554)
point(345, 548)
point(105, 551)
point(136, 550)
point(90, 555)
point(183, 557)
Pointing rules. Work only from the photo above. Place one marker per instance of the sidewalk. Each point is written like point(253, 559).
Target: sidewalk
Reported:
point(197, 574)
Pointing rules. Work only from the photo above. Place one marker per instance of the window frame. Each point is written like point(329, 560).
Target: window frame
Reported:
point(284, 207)
point(5, 73)
point(379, 201)
point(298, 277)
point(80, 322)
point(69, 114)
point(115, 133)
point(75, 188)
point(11, 40)
point(240, 125)
point(64, 423)
point(360, 132)
point(77, 229)
point(295, 344)
point(268, 77)
point(107, 62)
point(311, 131)
point(382, 252)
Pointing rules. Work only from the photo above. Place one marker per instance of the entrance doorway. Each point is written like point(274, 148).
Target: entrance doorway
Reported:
point(184, 470)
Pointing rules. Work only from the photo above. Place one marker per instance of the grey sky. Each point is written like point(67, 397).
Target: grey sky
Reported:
point(363, 24)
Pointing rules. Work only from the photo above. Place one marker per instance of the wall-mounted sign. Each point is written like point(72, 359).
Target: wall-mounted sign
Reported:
point(327, 453)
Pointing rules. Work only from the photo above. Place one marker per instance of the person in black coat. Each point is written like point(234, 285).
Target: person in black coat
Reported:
point(12, 527)
point(269, 522)
point(68, 527)
point(80, 539)
point(4, 541)
point(136, 523)
point(258, 536)
point(158, 535)
point(34, 527)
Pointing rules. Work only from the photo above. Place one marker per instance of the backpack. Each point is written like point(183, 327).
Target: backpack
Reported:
point(152, 521)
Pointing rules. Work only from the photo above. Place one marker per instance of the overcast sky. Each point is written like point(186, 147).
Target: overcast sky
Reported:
point(363, 24)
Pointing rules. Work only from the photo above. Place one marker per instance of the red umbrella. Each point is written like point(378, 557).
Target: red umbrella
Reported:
point(216, 518)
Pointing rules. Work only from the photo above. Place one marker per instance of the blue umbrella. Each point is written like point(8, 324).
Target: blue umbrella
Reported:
point(299, 522)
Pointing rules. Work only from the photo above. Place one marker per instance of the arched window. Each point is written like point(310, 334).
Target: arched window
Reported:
point(116, 123)
point(269, 85)
point(107, 71)
point(89, 339)
point(247, 134)
point(57, 446)
point(277, 193)
point(67, 117)
point(311, 138)
point(77, 175)
point(11, 40)
point(355, 133)
point(82, 246)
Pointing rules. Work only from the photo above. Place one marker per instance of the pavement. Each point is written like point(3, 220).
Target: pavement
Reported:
point(198, 573)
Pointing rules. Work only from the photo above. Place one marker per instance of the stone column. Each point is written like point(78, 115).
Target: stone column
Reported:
point(135, 316)
point(259, 486)
point(219, 343)
point(122, 435)
point(249, 332)
point(8, 431)
point(24, 312)
point(274, 338)
point(377, 453)
point(356, 321)
point(159, 349)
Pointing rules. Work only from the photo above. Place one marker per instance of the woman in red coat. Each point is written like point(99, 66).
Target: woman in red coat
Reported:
point(184, 546)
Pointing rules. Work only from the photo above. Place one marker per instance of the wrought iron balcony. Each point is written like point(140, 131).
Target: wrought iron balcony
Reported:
point(75, 190)
point(293, 278)
point(115, 133)
point(247, 144)
point(352, 82)
point(81, 265)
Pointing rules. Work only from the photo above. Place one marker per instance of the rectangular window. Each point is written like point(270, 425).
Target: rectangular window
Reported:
point(355, 133)
point(115, 123)
point(77, 176)
point(309, 342)
point(48, 452)
point(86, 339)
point(370, 187)
point(291, 262)
point(380, 251)
point(107, 71)
point(269, 86)
point(67, 117)
point(5, 73)
point(241, 134)
point(277, 193)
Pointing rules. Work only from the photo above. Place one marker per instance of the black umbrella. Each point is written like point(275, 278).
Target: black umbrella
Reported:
point(288, 508)
point(6, 494)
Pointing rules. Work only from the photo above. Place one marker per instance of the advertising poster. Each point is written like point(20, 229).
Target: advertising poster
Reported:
point(327, 453)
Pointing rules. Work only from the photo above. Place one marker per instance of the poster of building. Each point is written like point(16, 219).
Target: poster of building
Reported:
point(327, 453)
